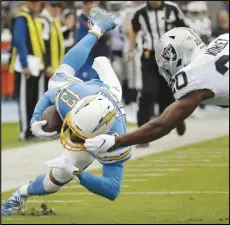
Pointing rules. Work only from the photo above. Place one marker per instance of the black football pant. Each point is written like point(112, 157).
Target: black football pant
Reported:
point(27, 93)
point(154, 89)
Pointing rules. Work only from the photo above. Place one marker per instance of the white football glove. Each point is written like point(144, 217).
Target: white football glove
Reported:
point(63, 163)
point(100, 143)
point(36, 128)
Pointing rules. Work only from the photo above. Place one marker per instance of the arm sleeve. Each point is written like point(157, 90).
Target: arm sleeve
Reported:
point(46, 100)
point(20, 37)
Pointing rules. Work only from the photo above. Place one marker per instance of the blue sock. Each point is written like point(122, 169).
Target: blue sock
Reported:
point(36, 187)
point(77, 55)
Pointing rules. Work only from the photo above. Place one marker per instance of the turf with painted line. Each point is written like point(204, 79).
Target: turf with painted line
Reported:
point(195, 194)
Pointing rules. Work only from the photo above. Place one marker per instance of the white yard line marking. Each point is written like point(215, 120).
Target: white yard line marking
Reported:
point(200, 153)
point(52, 201)
point(175, 192)
point(179, 161)
point(144, 175)
point(203, 150)
point(135, 180)
point(215, 156)
point(152, 169)
point(81, 187)
point(72, 186)
point(184, 165)
point(207, 152)
point(155, 193)
point(191, 156)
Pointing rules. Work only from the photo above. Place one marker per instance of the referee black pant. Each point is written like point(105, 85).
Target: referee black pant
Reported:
point(28, 90)
point(154, 89)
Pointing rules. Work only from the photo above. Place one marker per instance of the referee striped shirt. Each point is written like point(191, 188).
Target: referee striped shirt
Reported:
point(154, 22)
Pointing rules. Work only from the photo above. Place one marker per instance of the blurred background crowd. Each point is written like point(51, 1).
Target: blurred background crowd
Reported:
point(61, 24)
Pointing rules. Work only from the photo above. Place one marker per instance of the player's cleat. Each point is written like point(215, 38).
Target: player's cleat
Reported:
point(100, 21)
point(14, 204)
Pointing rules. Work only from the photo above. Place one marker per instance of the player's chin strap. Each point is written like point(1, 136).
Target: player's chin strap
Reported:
point(65, 137)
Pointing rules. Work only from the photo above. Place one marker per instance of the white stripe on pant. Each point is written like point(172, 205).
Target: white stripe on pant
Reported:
point(23, 108)
point(41, 85)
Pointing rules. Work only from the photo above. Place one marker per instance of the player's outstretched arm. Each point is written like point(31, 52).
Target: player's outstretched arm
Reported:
point(154, 129)
point(173, 115)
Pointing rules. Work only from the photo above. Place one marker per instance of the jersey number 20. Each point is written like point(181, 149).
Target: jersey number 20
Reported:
point(180, 79)
point(221, 64)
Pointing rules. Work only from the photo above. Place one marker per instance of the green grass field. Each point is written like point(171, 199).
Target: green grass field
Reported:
point(10, 136)
point(184, 185)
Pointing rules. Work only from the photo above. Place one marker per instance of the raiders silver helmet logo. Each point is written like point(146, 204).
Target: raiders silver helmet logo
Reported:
point(169, 53)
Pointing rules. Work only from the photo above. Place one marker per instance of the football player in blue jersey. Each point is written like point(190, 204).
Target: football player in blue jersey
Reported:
point(87, 109)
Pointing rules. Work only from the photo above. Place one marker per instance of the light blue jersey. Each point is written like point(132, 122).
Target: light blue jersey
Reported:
point(66, 97)
point(64, 92)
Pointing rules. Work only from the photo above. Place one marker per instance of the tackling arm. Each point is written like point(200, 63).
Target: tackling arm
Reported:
point(157, 128)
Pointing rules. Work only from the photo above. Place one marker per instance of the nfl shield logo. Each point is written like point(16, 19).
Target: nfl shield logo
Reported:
point(169, 53)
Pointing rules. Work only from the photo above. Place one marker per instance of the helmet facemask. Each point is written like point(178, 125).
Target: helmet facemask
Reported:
point(67, 132)
point(91, 116)
point(176, 49)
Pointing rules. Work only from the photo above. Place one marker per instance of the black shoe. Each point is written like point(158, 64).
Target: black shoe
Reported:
point(142, 145)
point(181, 129)
point(28, 138)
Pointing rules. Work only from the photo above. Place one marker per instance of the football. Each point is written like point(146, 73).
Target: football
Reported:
point(54, 121)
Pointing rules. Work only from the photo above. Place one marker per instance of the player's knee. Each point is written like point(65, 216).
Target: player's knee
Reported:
point(55, 180)
point(114, 191)
point(50, 186)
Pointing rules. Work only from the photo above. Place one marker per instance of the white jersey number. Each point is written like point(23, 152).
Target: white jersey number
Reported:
point(179, 81)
